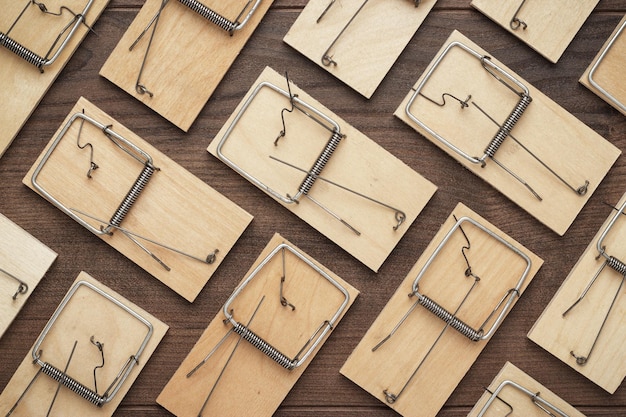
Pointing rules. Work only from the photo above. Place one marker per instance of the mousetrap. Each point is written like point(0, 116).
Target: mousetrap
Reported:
point(508, 133)
point(347, 187)
point(513, 392)
point(605, 73)
point(357, 41)
point(24, 261)
point(459, 292)
point(547, 27)
point(584, 325)
point(30, 60)
point(136, 199)
point(87, 356)
point(264, 338)
point(176, 52)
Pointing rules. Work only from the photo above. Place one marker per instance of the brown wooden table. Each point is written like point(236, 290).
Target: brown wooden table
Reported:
point(321, 390)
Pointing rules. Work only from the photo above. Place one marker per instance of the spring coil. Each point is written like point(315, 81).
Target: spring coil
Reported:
point(269, 350)
point(21, 51)
point(72, 384)
point(617, 265)
point(131, 197)
point(320, 163)
point(210, 15)
point(507, 126)
point(449, 318)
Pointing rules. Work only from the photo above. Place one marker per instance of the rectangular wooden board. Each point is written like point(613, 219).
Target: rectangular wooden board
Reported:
point(23, 85)
point(252, 383)
point(175, 208)
point(86, 314)
point(609, 73)
point(358, 163)
point(560, 335)
point(364, 48)
point(188, 57)
point(391, 365)
point(567, 146)
point(25, 258)
point(551, 25)
point(521, 403)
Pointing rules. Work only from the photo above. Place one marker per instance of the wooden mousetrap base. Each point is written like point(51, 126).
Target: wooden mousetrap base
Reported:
point(392, 364)
point(521, 402)
point(358, 163)
point(576, 331)
point(86, 314)
point(23, 85)
point(248, 381)
point(568, 147)
point(188, 57)
point(25, 258)
point(609, 73)
point(175, 208)
point(370, 44)
point(551, 26)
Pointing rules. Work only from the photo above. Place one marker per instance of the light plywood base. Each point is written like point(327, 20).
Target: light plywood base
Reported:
point(576, 331)
point(567, 146)
point(23, 85)
point(609, 75)
point(357, 163)
point(188, 58)
point(551, 26)
point(175, 208)
point(252, 383)
point(25, 258)
point(86, 314)
point(390, 366)
point(521, 403)
point(370, 44)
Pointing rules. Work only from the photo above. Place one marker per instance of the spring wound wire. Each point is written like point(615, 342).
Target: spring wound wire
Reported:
point(616, 265)
point(504, 129)
point(450, 318)
point(313, 174)
point(32, 57)
point(212, 16)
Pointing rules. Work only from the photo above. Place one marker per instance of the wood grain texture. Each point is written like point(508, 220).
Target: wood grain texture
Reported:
point(423, 359)
point(604, 75)
point(548, 29)
point(367, 230)
point(321, 390)
point(24, 85)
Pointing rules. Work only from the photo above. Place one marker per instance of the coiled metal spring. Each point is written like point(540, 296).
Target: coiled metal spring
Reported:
point(210, 15)
point(21, 51)
point(269, 350)
point(320, 163)
point(508, 125)
point(449, 318)
point(617, 265)
point(131, 197)
point(72, 384)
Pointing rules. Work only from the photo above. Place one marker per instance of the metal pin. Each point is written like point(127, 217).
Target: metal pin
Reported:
point(283, 300)
point(241, 336)
point(615, 264)
point(22, 287)
point(515, 22)
point(60, 384)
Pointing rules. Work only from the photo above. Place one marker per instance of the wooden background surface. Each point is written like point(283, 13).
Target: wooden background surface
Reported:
point(321, 390)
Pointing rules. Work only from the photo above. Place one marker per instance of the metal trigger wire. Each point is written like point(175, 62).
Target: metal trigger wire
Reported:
point(515, 22)
point(22, 287)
